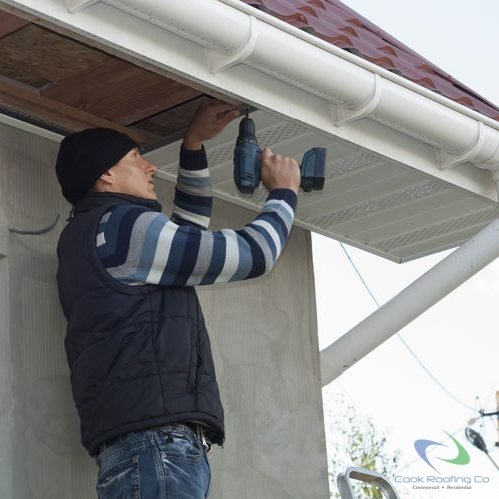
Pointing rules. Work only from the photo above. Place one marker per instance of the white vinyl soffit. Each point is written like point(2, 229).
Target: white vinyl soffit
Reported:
point(369, 201)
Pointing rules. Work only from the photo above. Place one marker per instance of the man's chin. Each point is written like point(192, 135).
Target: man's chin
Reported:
point(148, 195)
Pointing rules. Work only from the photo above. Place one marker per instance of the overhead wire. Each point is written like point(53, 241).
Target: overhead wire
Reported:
point(406, 345)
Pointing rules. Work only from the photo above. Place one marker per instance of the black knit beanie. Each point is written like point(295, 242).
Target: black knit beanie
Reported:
point(84, 156)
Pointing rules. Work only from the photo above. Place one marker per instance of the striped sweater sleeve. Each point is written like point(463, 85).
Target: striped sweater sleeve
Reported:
point(138, 246)
point(193, 202)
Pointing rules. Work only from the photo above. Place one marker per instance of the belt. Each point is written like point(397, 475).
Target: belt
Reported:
point(197, 429)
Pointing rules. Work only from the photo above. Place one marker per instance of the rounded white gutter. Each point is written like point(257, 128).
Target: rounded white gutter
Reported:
point(235, 33)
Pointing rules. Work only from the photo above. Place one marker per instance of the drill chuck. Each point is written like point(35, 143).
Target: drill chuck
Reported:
point(246, 131)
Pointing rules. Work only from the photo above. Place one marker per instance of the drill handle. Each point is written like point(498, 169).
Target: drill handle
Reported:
point(247, 159)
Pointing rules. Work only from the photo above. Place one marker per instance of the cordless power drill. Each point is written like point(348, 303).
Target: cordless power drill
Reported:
point(248, 158)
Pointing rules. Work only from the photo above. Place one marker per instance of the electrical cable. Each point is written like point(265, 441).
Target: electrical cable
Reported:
point(37, 232)
point(409, 349)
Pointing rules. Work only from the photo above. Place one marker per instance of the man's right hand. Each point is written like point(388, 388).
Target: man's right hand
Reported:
point(210, 119)
point(280, 172)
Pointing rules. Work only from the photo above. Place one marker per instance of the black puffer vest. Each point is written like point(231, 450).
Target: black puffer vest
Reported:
point(139, 356)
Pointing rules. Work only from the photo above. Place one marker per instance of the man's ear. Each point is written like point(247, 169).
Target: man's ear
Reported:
point(107, 177)
point(105, 181)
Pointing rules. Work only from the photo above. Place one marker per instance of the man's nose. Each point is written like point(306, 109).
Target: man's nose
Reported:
point(149, 167)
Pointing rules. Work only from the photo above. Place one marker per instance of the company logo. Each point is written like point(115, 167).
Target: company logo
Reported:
point(422, 447)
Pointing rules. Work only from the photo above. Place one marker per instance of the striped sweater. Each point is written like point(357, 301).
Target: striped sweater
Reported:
point(138, 246)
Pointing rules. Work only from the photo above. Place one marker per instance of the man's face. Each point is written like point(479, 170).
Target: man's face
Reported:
point(133, 175)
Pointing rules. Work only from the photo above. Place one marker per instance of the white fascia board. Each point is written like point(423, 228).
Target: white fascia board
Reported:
point(225, 46)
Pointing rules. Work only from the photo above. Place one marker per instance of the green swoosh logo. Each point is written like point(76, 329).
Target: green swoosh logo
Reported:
point(462, 457)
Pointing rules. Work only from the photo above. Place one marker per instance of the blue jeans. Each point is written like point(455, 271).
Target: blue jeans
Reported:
point(162, 463)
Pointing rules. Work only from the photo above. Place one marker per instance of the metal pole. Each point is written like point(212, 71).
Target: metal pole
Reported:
point(418, 297)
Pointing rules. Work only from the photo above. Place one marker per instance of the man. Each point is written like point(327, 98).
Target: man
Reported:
point(142, 372)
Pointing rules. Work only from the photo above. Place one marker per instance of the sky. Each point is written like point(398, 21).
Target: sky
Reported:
point(457, 338)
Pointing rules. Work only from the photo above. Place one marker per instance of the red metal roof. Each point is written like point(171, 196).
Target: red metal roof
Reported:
point(339, 25)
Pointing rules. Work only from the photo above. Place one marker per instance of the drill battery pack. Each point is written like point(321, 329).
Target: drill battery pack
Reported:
point(312, 169)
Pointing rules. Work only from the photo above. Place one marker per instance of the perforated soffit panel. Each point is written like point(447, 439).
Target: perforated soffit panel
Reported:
point(369, 201)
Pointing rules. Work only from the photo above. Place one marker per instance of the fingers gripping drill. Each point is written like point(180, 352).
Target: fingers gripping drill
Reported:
point(248, 157)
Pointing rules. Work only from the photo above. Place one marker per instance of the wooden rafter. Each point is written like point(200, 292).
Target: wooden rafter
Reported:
point(19, 101)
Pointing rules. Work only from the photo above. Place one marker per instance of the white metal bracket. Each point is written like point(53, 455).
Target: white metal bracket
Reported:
point(447, 160)
point(447, 275)
point(76, 5)
point(220, 62)
point(342, 115)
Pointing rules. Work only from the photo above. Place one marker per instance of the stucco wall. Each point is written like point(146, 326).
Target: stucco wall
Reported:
point(263, 336)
